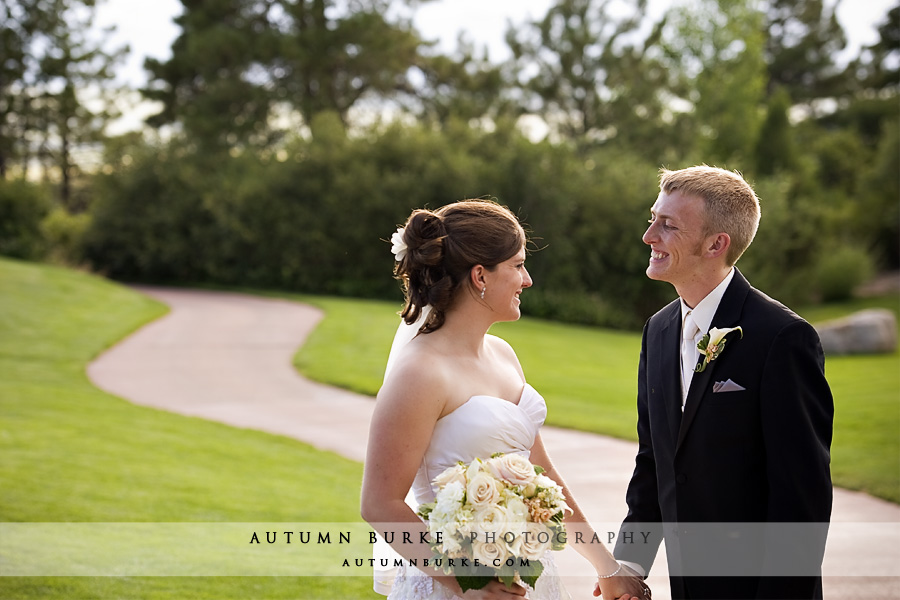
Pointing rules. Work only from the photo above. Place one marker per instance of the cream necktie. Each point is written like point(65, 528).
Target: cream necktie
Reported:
point(688, 354)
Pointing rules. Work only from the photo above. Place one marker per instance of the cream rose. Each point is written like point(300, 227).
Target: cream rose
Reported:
point(492, 519)
point(456, 473)
point(514, 468)
point(482, 489)
point(489, 552)
point(536, 541)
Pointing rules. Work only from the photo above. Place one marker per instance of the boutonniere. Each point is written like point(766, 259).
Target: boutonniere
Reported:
point(712, 344)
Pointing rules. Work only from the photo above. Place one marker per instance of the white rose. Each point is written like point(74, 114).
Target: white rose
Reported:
point(514, 468)
point(497, 524)
point(536, 541)
point(482, 489)
point(456, 473)
point(493, 519)
point(488, 552)
point(518, 511)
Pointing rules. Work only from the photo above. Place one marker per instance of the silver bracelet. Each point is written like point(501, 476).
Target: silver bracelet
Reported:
point(613, 574)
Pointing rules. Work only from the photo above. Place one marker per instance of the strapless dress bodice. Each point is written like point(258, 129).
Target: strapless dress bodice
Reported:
point(478, 428)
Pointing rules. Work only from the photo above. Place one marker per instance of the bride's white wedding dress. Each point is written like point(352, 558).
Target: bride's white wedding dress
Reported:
point(477, 429)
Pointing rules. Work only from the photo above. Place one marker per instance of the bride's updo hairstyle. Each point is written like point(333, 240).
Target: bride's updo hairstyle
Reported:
point(442, 248)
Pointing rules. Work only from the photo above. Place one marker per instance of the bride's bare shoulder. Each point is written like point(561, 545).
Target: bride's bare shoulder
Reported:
point(504, 353)
point(501, 347)
point(419, 372)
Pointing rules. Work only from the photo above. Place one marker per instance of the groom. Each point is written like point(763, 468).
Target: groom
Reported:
point(734, 441)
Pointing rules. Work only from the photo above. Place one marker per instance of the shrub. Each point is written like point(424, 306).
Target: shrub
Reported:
point(841, 271)
point(23, 206)
point(63, 233)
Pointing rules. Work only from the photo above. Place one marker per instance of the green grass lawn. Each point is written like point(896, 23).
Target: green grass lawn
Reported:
point(588, 377)
point(71, 453)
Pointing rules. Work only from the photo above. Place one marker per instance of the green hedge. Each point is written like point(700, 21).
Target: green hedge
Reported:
point(314, 217)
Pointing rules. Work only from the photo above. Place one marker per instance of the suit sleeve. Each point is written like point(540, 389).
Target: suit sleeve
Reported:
point(642, 497)
point(797, 418)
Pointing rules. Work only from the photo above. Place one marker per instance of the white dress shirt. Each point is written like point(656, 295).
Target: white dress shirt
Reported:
point(703, 315)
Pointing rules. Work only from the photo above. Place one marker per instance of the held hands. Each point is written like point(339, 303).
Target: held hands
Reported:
point(627, 585)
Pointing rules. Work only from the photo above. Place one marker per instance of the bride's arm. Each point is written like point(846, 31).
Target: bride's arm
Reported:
point(406, 410)
point(577, 525)
point(578, 528)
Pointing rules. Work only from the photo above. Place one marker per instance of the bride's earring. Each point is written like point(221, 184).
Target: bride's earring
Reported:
point(483, 290)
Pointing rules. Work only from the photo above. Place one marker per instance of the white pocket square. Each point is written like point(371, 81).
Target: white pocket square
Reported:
point(727, 386)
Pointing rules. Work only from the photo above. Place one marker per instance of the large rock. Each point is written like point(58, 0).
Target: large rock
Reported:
point(869, 331)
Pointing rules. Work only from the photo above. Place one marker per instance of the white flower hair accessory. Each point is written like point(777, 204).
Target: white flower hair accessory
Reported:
point(398, 244)
point(712, 344)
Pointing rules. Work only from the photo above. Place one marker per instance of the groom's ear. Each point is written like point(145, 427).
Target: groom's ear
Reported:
point(717, 245)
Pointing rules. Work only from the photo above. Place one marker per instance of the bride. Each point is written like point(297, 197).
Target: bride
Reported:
point(453, 392)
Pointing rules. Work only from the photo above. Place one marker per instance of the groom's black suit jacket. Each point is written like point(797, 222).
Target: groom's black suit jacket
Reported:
point(720, 474)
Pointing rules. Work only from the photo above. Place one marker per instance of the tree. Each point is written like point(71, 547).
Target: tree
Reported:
point(465, 86)
point(329, 61)
point(860, 145)
point(878, 66)
point(775, 148)
point(715, 49)
point(240, 63)
point(54, 65)
point(74, 66)
point(803, 39)
point(16, 36)
point(872, 97)
point(217, 84)
point(585, 72)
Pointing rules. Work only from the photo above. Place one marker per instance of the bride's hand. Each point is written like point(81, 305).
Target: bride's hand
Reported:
point(625, 586)
point(495, 590)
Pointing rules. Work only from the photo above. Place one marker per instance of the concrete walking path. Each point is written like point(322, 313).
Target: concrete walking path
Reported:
point(227, 357)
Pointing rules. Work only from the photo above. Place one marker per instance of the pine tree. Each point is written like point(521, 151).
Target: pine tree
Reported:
point(55, 69)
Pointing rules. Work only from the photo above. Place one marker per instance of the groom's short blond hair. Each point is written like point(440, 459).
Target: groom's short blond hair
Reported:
point(731, 204)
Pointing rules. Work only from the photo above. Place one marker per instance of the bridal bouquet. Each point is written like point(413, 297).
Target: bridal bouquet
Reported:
point(495, 518)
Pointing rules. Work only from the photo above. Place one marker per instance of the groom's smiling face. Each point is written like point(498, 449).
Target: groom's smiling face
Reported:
point(676, 237)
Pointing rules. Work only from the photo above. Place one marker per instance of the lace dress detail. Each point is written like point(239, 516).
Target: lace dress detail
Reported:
point(477, 429)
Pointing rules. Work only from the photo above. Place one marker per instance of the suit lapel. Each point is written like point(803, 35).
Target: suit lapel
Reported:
point(668, 343)
point(728, 314)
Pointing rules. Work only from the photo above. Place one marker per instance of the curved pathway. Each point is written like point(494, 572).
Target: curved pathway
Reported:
point(228, 357)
